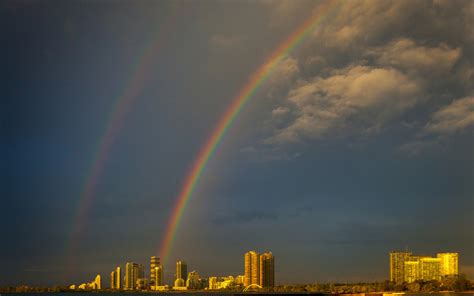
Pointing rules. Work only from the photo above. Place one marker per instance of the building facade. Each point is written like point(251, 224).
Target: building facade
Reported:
point(429, 269)
point(112, 280)
point(156, 272)
point(449, 264)
point(267, 270)
point(133, 272)
point(181, 271)
point(412, 271)
point(424, 268)
point(397, 266)
point(251, 268)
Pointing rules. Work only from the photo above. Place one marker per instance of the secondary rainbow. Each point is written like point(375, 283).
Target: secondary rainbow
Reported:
point(244, 95)
point(121, 108)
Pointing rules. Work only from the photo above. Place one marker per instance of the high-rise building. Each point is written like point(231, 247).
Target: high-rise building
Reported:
point(98, 282)
point(397, 266)
point(113, 278)
point(182, 270)
point(429, 269)
point(193, 281)
point(156, 272)
point(133, 272)
point(251, 268)
point(448, 264)
point(118, 278)
point(267, 270)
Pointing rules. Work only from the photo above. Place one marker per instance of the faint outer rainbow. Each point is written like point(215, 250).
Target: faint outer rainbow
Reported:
point(131, 92)
point(255, 81)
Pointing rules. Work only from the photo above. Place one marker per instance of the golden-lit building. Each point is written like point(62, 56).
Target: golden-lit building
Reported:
point(98, 282)
point(115, 279)
point(133, 273)
point(118, 281)
point(449, 264)
point(412, 271)
point(267, 270)
point(397, 266)
point(430, 269)
point(251, 268)
point(181, 271)
point(156, 272)
point(212, 283)
point(194, 280)
point(112, 280)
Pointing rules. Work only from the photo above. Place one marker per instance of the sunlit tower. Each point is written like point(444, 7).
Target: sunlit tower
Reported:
point(118, 278)
point(181, 270)
point(397, 266)
point(156, 272)
point(267, 270)
point(133, 272)
point(251, 268)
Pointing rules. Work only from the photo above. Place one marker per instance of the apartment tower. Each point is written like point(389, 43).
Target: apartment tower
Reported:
point(267, 270)
point(181, 270)
point(156, 272)
point(397, 266)
point(251, 268)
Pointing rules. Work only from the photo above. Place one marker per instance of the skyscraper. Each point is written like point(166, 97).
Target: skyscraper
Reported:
point(448, 264)
point(133, 271)
point(98, 282)
point(118, 278)
point(113, 277)
point(251, 268)
point(181, 270)
point(267, 270)
point(156, 272)
point(397, 266)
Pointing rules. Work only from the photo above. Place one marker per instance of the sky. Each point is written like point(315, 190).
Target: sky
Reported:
point(360, 141)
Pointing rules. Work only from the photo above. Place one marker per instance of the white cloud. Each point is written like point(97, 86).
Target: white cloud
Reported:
point(406, 54)
point(360, 96)
point(455, 117)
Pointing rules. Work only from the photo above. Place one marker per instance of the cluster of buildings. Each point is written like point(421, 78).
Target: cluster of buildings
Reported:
point(408, 268)
point(259, 271)
point(96, 284)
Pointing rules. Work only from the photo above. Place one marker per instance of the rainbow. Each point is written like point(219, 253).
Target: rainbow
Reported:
point(115, 121)
point(247, 92)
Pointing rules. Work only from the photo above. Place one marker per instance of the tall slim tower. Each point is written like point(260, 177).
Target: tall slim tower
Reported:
point(113, 278)
point(397, 266)
point(267, 270)
point(154, 264)
point(118, 278)
point(181, 270)
point(98, 282)
point(132, 273)
point(251, 268)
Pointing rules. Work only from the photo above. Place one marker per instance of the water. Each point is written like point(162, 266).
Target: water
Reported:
point(204, 293)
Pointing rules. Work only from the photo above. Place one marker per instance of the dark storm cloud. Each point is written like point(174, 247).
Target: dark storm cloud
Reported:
point(371, 65)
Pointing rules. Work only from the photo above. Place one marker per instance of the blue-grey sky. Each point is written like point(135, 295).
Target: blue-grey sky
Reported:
point(359, 143)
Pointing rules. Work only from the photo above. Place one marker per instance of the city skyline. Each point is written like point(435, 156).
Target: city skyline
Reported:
point(327, 131)
point(259, 272)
